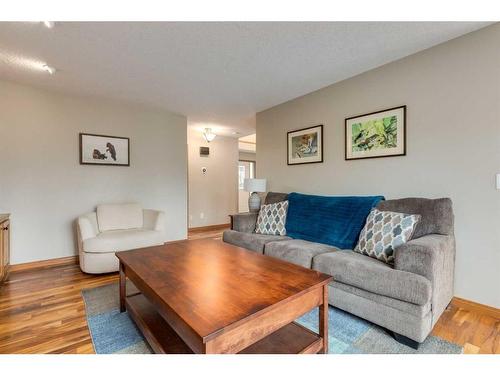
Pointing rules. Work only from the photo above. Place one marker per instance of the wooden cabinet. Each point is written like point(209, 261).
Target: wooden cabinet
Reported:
point(4, 246)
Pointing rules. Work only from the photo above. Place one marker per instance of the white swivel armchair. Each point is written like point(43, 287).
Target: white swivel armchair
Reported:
point(116, 227)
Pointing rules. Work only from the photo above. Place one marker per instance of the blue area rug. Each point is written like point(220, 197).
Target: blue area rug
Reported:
point(113, 332)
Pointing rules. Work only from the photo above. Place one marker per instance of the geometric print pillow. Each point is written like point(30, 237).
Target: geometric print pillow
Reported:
point(272, 219)
point(384, 231)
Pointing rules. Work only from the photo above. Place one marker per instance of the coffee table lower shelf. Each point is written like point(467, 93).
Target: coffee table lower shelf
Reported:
point(290, 339)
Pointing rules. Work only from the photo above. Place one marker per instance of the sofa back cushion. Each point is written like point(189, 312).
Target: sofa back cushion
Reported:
point(335, 221)
point(272, 197)
point(119, 216)
point(436, 214)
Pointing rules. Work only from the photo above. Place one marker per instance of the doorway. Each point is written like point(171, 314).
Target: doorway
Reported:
point(246, 169)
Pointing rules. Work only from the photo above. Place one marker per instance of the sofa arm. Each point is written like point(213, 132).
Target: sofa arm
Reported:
point(154, 220)
point(431, 256)
point(87, 226)
point(244, 222)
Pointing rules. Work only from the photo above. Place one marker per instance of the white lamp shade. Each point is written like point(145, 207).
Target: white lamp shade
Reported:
point(255, 185)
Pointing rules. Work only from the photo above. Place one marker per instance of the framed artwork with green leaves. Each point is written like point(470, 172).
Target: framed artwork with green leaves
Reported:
point(376, 135)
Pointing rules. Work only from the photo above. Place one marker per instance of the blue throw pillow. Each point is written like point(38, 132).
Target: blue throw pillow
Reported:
point(335, 220)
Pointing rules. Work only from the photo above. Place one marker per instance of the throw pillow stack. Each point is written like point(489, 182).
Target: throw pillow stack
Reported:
point(272, 219)
point(384, 231)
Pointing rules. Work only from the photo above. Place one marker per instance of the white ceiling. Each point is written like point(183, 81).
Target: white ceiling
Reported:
point(214, 73)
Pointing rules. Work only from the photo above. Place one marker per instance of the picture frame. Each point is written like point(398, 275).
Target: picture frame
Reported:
point(376, 134)
point(305, 146)
point(109, 150)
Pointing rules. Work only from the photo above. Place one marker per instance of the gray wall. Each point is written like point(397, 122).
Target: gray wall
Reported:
point(214, 195)
point(45, 188)
point(453, 96)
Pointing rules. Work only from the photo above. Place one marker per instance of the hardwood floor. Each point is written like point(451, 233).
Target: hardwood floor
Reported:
point(42, 311)
point(476, 331)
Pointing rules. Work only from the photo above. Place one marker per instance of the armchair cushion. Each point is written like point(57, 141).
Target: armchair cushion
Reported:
point(87, 226)
point(119, 216)
point(125, 239)
point(154, 220)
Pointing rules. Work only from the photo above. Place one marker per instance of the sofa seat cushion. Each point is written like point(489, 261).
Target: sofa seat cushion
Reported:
point(250, 241)
point(361, 271)
point(119, 216)
point(119, 240)
point(299, 252)
point(410, 308)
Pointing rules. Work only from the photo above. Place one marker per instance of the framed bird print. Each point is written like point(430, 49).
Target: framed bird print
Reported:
point(376, 135)
point(305, 146)
point(104, 150)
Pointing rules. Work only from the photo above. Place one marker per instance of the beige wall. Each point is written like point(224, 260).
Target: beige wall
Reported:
point(45, 188)
point(249, 156)
point(453, 96)
point(214, 195)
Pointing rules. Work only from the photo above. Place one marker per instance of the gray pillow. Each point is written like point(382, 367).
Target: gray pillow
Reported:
point(384, 231)
point(272, 219)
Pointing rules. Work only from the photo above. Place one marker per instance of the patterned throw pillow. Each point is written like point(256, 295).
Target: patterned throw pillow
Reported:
point(272, 218)
point(384, 231)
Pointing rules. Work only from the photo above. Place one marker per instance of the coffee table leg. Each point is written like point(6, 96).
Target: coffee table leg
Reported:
point(323, 320)
point(123, 281)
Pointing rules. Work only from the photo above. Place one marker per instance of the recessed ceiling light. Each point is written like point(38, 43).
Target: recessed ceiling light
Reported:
point(49, 24)
point(49, 69)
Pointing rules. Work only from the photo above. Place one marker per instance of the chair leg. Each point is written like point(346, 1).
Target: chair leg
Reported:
point(406, 341)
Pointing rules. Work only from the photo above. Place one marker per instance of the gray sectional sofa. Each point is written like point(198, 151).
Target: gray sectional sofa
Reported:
point(407, 298)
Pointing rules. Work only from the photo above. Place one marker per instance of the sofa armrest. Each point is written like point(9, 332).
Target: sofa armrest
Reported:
point(154, 220)
point(244, 222)
point(87, 226)
point(431, 256)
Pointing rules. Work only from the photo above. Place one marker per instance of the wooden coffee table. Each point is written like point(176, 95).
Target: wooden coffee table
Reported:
point(207, 296)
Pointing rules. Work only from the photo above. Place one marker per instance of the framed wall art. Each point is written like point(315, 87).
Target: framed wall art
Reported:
point(305, 146)
point(377, 134)
point(104, 150)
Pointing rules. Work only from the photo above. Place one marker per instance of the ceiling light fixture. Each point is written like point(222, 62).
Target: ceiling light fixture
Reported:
point(49, 69)
point(208, 135)
point(49, 24)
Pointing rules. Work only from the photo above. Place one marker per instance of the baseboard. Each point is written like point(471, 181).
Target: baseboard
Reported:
point(209, 227)
point(477, 307)
point(13, 268)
